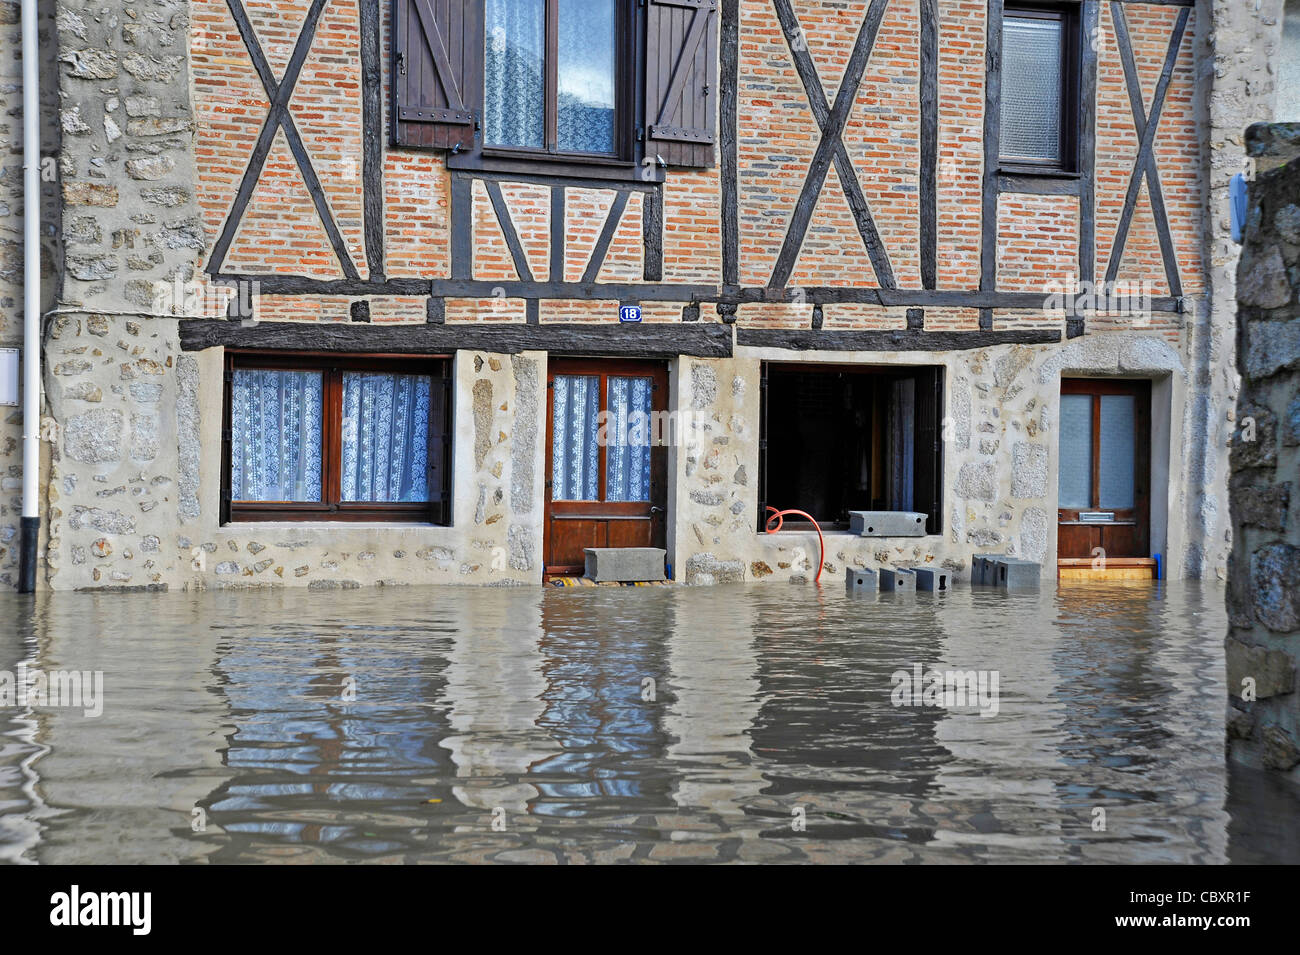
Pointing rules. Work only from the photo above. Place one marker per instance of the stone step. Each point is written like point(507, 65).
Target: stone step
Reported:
point(887, 523)
point(625, 564)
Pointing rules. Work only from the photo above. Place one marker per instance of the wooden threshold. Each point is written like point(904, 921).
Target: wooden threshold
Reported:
point(1115, 568)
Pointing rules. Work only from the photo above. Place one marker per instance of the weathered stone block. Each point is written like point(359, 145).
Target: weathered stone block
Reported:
point(94, 436)
point(1275, 579)
point(625, 564)
point(887, 523)
point(1273, 671)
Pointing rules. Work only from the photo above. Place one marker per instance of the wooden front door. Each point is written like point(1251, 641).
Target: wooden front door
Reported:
point(1104, 495)
point(606, 465)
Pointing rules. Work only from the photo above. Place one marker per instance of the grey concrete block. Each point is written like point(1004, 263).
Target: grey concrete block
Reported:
point(900, 580)
point(887, 523)
point(861, 580)
point(934, 581)
point(982, 569)
point(1014, 574)
point(625, 564)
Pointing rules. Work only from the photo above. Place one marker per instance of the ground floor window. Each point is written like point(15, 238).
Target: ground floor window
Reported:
point(840, 438)
point(336, 438)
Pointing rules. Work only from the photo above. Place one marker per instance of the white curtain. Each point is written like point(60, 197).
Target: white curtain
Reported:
point(574, 452)
point(627, 456)
point(385, 437)
point(275, 430)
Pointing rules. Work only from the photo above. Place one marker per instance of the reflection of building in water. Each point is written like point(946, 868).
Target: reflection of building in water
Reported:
point(715, 698)
point(598, 648)
point(309, 765)
point(829, 737)
point(495, 687)
point(998, 789)
point(1136, 735)
point(102, 776)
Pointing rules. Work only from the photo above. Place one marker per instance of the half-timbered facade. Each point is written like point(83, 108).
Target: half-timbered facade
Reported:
point(364, 309)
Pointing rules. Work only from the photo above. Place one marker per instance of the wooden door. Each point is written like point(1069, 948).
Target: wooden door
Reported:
point(606, 459)
point(1104, 493)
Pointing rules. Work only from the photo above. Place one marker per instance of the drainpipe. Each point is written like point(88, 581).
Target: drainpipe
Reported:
point(31, 521)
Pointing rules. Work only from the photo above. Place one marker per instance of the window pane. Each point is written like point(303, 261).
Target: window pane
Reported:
point(574, 452)
point(1032, 48)
point(1118, 447)
point(275, 435)
point(1075, 486)
point(586, 76)
point(513, 88)
point(628, 434)
point(385, 437)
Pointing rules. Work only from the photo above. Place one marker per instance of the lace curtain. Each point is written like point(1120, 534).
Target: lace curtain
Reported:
point(385, 437)
point(275, 448)
point(585, 76)
point(1075, 482)
point(513, 88)
point(574, 452)
point(627, 454)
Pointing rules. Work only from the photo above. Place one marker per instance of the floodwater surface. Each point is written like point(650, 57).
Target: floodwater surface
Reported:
point(761, 723)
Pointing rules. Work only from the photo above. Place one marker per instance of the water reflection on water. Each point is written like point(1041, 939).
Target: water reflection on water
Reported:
point(658, 724)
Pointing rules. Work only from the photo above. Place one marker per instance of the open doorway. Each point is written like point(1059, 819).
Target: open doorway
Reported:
point(840, 438)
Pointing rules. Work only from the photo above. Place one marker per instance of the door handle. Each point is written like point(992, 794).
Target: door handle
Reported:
point(656, 509)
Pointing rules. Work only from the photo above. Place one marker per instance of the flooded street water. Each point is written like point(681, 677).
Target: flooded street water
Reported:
point(665, 724)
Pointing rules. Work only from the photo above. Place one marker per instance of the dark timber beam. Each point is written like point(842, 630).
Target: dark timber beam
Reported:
point(651, 340)
point(729, 112)
point(507, 224)
point(929, 172)
point(803, 339)
point(1090, 25)
point(372, 121)
point(1145, 165)
point(830, 149)
point(992, 156)
point(278, 118)
point(601, 248)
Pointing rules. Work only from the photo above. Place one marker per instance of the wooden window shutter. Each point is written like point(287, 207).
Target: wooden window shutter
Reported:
point(928, 488)
point(440, 432)
point(437, 73)
point(681, 84)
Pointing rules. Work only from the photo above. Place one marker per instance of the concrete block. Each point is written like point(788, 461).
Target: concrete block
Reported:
point(887, 523)
point(898, 580)
point(625, 564)
point(982, 572)
point(1013, 574)
point(934, 581)
point(861, 580)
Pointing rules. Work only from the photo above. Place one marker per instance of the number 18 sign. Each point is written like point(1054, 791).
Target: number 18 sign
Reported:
point(629, 313)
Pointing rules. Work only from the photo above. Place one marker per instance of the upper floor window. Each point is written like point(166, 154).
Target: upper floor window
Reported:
point(551, 75)
point(552, 85)
point(1040, 88)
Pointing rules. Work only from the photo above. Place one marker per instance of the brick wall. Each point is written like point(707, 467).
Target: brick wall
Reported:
point(1038, 236)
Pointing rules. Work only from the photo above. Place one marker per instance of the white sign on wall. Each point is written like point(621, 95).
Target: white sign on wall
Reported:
point(8, 376)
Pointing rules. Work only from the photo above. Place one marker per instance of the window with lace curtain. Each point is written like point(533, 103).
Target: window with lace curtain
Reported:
point(346, 438)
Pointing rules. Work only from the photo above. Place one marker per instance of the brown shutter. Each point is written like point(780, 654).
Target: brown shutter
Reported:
point(437, 72)
point(440, 431)
point(681, 82)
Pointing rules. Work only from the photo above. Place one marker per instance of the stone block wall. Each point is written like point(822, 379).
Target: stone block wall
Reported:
point(1263, 645)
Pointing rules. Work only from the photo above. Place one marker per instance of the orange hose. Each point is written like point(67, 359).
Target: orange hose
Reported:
point(821, 543)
